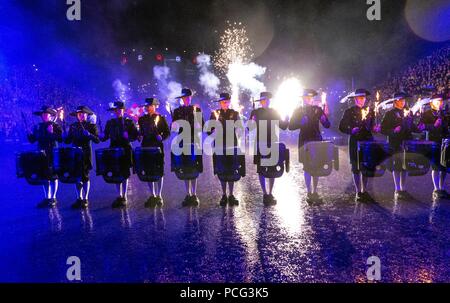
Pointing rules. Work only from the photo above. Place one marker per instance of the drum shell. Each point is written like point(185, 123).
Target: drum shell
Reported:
point(318, 158)
point(33, 166)
point(187, 167)
point(229, 167)
point(68, 164)
point(372, 157)
point(112, 164)
point(277, 170)
point(149, 163)
point(417, 156)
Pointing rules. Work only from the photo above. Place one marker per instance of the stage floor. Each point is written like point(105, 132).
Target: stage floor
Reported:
point(290, 242)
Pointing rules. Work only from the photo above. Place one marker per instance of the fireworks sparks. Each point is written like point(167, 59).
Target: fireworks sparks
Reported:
point(365, 113)
point(287, 97)
point(406, 112)
point(234, 47)
point(156, 121)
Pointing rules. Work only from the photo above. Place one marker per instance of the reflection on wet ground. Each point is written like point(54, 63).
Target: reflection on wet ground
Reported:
point(290, 242)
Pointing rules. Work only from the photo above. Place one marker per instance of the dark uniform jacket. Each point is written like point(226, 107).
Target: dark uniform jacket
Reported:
point(271, 116)
point(81, 134)
point(149, 130)
point(393, 118)
point(309, 130)
point(353, 117)
point(46, 140)
point(435, 134)
point(114, 130)
point(224, 116)
point(187, 113)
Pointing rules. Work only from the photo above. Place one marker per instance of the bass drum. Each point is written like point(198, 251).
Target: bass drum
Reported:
point(319, 158)
point(34, 167)
point(277, 170)
point(373, 157)
point(112, 164)
point(187, 167)
point(68, 164)
point(417, 156)
point(149, 163)
point(229, 167)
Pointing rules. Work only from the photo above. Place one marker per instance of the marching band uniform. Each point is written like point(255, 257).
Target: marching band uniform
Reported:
point(358, 122)
point(47, 134)
point(81, 134)
point(186, 112)
point(437, 123)
point(223, 116)
point(308, 119)
point(398, 127)
point(121, 132)
point(271, 116)
point(154, 129)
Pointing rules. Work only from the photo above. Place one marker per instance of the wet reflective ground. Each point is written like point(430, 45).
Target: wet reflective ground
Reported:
point(291, 242)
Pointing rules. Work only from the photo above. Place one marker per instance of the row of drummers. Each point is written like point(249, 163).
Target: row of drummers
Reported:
point(367, 157)
point(50, 163)
point(402, 155)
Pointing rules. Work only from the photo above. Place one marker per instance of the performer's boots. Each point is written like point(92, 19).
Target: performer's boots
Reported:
point(85, 203)
point(78, 204)
point(269, 200)
point(402, 195)
point(44, 203)
point(194, 200)
point(224, 200)
point(151, 202)
point(159, 201)
point(119, 202)
point(186, 201)
point(233, 201)
point(317, 198)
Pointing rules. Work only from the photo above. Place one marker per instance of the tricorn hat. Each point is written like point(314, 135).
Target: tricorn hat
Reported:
point(185, 92)
point(361, 92)
point(400, 95)
point(264, 96)
point(151, 101)
point(45, 109)
point(223, 97)
point(116, 105)
point(309, 93)
point(82, 109)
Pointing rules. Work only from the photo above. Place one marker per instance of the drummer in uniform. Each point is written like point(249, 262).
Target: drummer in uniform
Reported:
point(121, 131)
point(436, 123)
point(47, 134)
point(308, 119)
point(398, 126)
point(358, 121)
point(186, 112)
point(224, 114)
point(81, 134)
point(265, 113)
point(153, 129)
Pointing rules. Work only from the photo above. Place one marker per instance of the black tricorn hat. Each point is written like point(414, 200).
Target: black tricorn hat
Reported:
point(361, 92)
point(309, 93)
point(45, 109)
point(264, 96)
point(223, 97)
point(185, 92)
point(400, 95)
point(116, 105)
point(82, 109)
point(151, 101)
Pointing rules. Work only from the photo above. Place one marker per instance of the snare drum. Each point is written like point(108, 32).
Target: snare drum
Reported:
point(149, 163)
point(229, 167)
point(187, 167)
point(113, 164)
point(319, 158)
point(34, 167)
point(68, 164)
point(372, 157)
point(277, 170)
point(417, 156)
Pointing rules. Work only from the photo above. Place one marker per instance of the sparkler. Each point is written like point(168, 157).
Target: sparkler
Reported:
point(234, 47)
point(216, 115)
point(156, 121)
point(364, 113)
point(377, 104)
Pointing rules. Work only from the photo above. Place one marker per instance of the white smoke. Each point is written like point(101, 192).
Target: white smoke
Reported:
point(245, 77)
point(207, 80)
point(169, 89)
point(121, 90)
